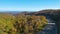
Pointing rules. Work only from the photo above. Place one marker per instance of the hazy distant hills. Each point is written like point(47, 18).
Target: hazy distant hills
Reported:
point(41, 12)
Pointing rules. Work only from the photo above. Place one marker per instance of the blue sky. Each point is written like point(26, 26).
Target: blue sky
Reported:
point(28, 5)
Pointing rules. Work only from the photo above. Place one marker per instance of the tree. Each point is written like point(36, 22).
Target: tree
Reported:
point(29, 24)
point(21, 24)
point(6, 23)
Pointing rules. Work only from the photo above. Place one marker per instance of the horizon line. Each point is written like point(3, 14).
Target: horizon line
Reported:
point(27, 10)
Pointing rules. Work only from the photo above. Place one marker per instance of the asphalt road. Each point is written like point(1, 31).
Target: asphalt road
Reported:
point(50, 28)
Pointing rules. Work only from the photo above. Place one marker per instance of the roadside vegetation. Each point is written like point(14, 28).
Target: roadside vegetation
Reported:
point(21, 24)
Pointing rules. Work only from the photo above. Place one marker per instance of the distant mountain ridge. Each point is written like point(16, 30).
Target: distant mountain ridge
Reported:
point(49, 11)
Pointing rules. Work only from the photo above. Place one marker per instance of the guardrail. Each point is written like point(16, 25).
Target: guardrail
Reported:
point(51, 23)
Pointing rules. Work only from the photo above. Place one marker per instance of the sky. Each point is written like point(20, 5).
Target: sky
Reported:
point(28, 5)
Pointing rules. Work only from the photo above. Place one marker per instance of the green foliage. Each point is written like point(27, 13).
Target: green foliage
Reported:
point(21, 24)
point(30, 24)
point(6, 23)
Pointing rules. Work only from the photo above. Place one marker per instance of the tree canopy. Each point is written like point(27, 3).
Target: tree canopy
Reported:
point(21, 24)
